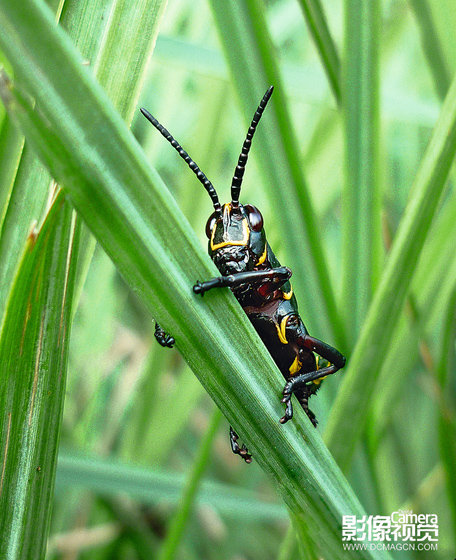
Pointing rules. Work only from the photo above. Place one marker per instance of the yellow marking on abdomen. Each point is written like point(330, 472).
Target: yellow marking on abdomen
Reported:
point(295, 366)
point(281, 330)
point(318, 381)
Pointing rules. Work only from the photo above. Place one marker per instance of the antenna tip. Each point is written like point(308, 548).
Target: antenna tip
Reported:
point(149, 117)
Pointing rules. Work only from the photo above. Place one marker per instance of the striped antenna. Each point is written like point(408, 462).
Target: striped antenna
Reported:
point(183, 154)
point(240, 168)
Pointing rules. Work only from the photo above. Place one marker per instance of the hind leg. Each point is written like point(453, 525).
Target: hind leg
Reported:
point(300, 382)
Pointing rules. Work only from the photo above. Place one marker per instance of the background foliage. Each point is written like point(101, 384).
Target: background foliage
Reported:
point(355, 200)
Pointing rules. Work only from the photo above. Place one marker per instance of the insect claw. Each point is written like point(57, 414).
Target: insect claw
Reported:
point(241, 451)
point(287, 391)
point(198, 288)
point(165, 340)
point(245, 454)
point(289, 409)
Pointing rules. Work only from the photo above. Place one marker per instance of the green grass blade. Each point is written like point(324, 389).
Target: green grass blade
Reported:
point(318, 27)
point(24, 186)
point(27, 198)
point(126, 47)
point(33, 350)
point(344, 430)
point(361, 201)
point(432, 47)
point(91, 153)
point(180, 518)
point(152, 486)
point(11, 142)
point(288, 547)
point(116, 40)
point(155, 428)
point(253, 62)
point(447, 416)
point(29, 190)
point(431, 290)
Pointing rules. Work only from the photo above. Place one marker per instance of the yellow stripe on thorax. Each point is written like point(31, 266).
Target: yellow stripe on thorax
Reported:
point(288, 295)
point(263, 256)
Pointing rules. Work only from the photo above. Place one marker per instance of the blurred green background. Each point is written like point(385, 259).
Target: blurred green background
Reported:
point(359, 100)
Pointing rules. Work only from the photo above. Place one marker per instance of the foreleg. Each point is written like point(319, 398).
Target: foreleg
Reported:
point(276, 276)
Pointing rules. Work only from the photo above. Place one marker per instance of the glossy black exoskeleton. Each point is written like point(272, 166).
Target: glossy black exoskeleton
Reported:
point(238, 247)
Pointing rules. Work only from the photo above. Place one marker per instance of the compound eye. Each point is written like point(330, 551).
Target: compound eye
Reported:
point(211, 223)
point(254, 216)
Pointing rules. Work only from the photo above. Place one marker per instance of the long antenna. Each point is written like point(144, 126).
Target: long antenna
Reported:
point(240, 168)
point(183, 154)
